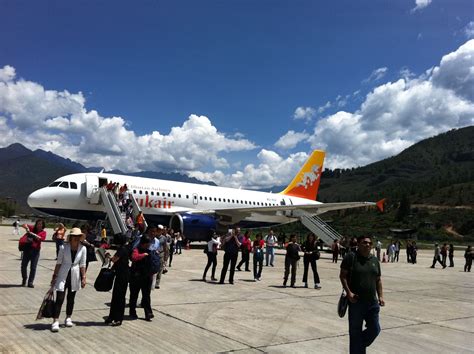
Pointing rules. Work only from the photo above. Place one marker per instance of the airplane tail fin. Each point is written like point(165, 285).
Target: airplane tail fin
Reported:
point(306, 182)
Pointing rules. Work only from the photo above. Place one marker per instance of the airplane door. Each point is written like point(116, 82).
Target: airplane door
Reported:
point(195, 199)
point(92, 185)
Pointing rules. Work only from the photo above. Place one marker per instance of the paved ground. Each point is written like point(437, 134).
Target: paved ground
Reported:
point(426, 310)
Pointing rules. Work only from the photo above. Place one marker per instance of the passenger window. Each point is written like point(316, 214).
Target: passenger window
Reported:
point(64, 185)
point(140, 192)
point(169, 194)
point(215, 199)
point(174, 195)
point(146, 192)
point(205, 198)
point(219, 199)
point(200, 198)
point(73, 185)
point(134, 191)
point(179, 195)
point(233, 201)
point(187, 196)
point(152, 193)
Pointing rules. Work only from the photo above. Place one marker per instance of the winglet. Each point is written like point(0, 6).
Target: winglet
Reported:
point(381, 204)
point(306, 182)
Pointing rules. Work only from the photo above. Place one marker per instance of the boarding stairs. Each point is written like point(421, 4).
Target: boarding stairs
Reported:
point(116, 218)
point(317, 226)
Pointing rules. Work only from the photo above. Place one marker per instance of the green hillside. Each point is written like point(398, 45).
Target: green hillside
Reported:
point(438, 170)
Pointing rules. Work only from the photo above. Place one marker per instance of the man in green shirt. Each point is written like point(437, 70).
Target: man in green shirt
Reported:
point(361, 279)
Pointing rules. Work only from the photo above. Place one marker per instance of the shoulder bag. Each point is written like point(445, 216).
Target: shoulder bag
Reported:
point(343, 300)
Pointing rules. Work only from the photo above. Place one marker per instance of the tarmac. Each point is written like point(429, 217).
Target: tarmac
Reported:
point(427, 310)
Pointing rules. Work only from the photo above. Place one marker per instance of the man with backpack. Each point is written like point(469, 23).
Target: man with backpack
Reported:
point(271, 242)
point(162, 252)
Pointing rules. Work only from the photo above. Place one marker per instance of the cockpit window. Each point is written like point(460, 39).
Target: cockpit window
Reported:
point(64, 185)
point(73, 185)
point(55, 184)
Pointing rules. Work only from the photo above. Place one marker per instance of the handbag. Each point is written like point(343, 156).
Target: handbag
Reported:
point(343, 300)
point(24, 242)
point(105, 280)
point(47, 306)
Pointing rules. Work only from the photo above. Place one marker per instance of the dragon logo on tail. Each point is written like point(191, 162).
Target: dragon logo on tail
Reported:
point(309, 178)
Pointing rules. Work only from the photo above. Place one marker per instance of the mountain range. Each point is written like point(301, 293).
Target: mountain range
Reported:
point(438, 170)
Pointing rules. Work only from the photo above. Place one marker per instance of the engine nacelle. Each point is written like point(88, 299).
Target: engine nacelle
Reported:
point(193, 226)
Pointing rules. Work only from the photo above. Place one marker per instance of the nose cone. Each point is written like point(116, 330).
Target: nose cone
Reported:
point(37, 198)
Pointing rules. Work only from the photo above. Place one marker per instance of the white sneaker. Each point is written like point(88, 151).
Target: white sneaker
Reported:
point(68, 322)
point(55, 326)
point(317, 286)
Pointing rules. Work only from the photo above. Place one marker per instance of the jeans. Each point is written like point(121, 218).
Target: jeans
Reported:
point(358, 313)
point(60, 295)
point(59, 243)
point(140, 282)
point(211, 260)
point(307, 260)
point(293, 263)
point(245, 260)
point(232, 259)
point(29, 255)
point(270, 254)
point(257, 261)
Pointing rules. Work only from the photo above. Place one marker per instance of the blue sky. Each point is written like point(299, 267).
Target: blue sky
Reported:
point(208, 87)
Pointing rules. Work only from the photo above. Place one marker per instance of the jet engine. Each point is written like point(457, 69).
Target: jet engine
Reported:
point(194, 227)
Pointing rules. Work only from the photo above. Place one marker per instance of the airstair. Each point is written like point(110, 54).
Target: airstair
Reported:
point(317, 226)
point(116, 219)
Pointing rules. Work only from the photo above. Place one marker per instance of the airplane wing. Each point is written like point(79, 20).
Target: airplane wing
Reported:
point(273, 210)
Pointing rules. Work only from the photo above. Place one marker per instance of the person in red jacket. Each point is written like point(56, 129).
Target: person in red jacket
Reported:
point(246, 248)
point(35, 235)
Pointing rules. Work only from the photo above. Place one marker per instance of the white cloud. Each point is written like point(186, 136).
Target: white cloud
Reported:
point(291, 139)
point(421, 4)
point(326, 106)
point(58, 121)
point(272, 170)
point(469, 30)
point(398, 114)
point(376, 75)
point(305, 113)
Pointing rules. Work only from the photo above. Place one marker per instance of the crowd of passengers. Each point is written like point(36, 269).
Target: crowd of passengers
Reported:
point(140, 262)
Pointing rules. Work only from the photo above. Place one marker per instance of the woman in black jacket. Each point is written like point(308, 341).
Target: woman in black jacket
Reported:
point(122, 275)
point(311, 254)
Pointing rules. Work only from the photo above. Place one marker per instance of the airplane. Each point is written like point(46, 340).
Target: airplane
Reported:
point(193, 209)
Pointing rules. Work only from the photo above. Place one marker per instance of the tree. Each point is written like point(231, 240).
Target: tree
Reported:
point(403, 209)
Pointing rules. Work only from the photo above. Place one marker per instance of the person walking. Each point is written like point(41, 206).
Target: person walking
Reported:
point(59, 236)
point(291, 260)
point(398, 245)
point(163, 252)
point(141, 279)
point(212, 247)
point(414, 252)
point(16, 230)
point(35, 236)
point(69, 274)
point(179, 243)
point(311, 254)
point(122, 275)
point(361, 279)
point(231, 253)
point(468, 258)
point(437, 257)
point(378, 249)
point(257, 248)
point(271, 242)
point(451, 255)
point(246, 248)
point(172, 247)
point(409, 251)
point(335, 251)
point(444, 254)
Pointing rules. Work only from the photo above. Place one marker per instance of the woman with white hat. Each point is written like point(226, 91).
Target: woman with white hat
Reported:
point(70, 274)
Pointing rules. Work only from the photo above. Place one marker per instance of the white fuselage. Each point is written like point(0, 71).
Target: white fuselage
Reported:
point(72, 198)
